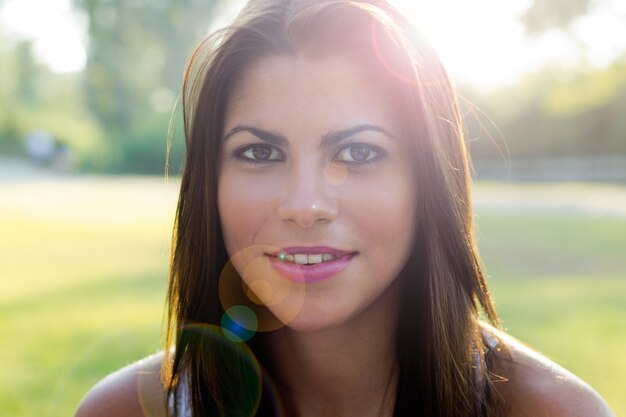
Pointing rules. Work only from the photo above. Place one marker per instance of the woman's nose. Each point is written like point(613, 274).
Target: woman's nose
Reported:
point(308, 200)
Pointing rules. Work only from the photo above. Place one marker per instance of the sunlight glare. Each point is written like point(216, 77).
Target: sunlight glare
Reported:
point(604, 36)
point(482, 42)
point(55, 29)
point(478, 41)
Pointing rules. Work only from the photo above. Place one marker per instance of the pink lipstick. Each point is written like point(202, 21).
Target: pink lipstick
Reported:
point(310, 264)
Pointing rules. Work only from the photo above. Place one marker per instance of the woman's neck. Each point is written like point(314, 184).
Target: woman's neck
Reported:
point(346, 370)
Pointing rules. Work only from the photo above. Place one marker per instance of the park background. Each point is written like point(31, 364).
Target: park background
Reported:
point(87, 112)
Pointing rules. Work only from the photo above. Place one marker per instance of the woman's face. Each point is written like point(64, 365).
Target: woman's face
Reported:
point(316, 193)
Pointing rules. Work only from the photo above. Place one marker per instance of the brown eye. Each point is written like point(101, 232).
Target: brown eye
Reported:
point(259, 153)
point(359, 153)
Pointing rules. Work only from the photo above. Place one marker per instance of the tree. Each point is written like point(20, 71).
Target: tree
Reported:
point(137, 50)
point(544, 15)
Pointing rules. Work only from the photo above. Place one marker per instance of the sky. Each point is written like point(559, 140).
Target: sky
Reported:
point(58, 33)
point(483, 41)
point(479, 41)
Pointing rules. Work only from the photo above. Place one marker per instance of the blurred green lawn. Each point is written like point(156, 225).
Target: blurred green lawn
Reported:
point(83, 267)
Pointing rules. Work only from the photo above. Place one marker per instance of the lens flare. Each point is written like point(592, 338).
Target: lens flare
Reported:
point(249, 382)
point(335, 174)
point(258, 291)
point(239, 323)
point(274, 300)
point(391, 48)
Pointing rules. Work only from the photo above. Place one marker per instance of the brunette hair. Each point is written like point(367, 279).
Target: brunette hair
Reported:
point(440, 349)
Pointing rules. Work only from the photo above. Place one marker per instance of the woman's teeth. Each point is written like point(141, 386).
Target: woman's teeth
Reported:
point(306, 259)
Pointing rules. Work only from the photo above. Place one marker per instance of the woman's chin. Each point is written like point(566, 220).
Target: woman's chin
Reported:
point(312, 319)
point(308, 324)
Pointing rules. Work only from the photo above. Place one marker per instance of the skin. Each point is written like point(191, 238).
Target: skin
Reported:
point(308, 194)
point(533, 386)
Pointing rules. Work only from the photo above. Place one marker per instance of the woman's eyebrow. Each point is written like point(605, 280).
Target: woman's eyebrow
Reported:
point(264, 135)
point(329, 139)
point(332, 138)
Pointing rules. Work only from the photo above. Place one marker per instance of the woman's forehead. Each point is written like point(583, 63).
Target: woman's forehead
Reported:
point(302, 92)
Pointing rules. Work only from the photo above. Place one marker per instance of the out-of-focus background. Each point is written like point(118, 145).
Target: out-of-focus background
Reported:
point(87, 91)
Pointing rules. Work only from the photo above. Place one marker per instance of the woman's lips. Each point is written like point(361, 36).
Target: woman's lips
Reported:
point(310, 264)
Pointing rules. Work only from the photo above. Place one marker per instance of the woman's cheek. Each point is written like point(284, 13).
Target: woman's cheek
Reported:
point(386, 198)
point(383, 208)
point(244, 203)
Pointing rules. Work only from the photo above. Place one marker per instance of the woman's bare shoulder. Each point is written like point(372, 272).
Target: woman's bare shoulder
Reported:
point(135, 390)
point(534, 386)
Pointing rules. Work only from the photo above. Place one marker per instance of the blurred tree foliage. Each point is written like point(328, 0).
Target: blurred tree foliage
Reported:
point(33, 98)
point(115, 115)
point(544, 15)
point(136, 55)
point(551, 113)
point(555, 112)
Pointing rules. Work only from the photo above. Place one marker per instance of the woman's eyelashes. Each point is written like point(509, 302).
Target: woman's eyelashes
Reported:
point(352, 154)
point(259, 153)
point(359, 153)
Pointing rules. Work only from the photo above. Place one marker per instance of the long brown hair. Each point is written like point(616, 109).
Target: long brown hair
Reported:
point(440, 348)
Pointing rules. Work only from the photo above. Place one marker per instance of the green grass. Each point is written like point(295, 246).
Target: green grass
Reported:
point(84, 268)
point(560, 286)
point(577, 322)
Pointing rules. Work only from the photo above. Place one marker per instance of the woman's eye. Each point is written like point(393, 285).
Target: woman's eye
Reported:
point(259, 153)
point(359, 153)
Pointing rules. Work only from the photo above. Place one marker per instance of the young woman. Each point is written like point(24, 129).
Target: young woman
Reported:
point(324, 262)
